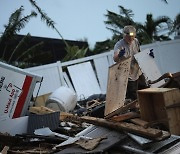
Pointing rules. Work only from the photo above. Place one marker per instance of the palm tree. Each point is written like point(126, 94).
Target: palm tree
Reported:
point(176, 26)
point(115, 23)
point(23, 57)
point(73, 52)
point(154, 29)
point(15, 24)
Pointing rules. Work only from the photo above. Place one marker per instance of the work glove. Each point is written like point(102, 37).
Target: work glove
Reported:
point(121, 53)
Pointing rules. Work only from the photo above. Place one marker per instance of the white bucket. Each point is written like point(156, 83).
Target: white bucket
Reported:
point(62, 99)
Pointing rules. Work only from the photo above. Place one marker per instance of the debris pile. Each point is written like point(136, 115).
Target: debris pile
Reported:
point(101, 123)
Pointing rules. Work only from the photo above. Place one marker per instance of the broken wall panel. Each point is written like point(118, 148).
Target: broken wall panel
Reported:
point(166, 54)
point(84, 80)
point(51, 78)
point(101, 66)
point(149, 67)
point(117, 84)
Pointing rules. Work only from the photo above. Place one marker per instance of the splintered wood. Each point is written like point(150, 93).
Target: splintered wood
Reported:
point(117, 84)
point(119, 126)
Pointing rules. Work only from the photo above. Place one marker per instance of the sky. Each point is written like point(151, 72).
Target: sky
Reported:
point(83, 19)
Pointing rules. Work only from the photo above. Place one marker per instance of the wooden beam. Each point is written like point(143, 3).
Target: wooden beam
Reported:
point(140, 122)
point(120, 126)
point(122, 109)
point(125, 116)
point(117, 85)
point(40, 110)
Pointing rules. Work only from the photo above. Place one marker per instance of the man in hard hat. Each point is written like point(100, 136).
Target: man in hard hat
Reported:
point(128, 47)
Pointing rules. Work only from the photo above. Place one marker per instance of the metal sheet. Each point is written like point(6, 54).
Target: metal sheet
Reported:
point(50, 120)
point(113, 137)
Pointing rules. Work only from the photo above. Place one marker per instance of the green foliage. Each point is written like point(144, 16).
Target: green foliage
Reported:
point(175, 29)
point(104, 46)
point(73, 52)
point(15, 24)
point(152, 30)
point(116, 22)
point(22, 56)
point(49, 22)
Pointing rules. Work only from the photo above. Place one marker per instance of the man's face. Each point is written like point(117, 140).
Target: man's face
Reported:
point(129, 38)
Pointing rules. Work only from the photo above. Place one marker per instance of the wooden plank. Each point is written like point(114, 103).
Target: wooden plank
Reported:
point(125, 116)
point(121, 126)
point(117, 84)
point(151, 105)
point(40, 100)
point(140, 122)
point(172, 98)
point(40, 110)
point(122, 109)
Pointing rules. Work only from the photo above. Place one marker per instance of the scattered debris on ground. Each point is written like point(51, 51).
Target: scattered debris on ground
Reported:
point(149, 124)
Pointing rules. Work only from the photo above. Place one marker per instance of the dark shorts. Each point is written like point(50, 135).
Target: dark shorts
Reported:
point(133, 86)
point(131, 92)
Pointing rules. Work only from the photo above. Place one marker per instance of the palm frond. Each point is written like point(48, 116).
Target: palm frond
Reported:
point(16, 23)
point(48, 20)
point(19, 46)
point(73, 52)
point(31, 52)
point(116, 22)
point(128, 13)
point(44, 16)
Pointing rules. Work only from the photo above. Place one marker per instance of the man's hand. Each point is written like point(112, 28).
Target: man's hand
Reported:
point(121, 53)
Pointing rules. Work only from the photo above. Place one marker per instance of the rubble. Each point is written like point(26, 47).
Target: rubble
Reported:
point(132, 134)
point(100, 123)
